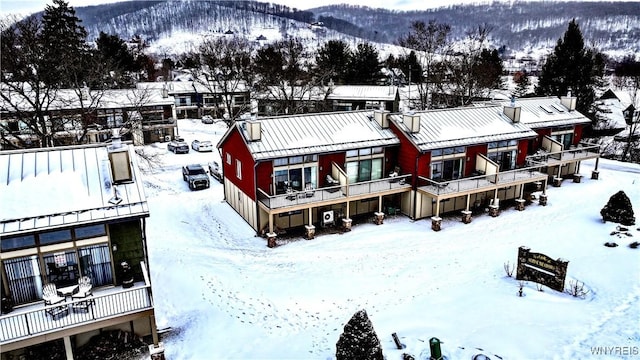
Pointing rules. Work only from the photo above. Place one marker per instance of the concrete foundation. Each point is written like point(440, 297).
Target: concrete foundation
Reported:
point(494, 210)
point(543, 199)
point(466, 216)
point(436, 223)
point(577, 178)
point(271, 239)
point(157, 352)
point(520, 204)
point(557, 181)
point(595, 174)
point(346, 224)
point(378, 218)
point(310, 232)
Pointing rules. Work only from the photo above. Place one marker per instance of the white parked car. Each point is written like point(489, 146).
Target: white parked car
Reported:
point(202, 146)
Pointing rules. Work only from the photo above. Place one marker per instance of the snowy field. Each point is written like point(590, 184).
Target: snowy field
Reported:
point(226, 295)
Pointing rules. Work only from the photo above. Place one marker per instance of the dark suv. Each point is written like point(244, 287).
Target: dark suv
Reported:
point(195, 176)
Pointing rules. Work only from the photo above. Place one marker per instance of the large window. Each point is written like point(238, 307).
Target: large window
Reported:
point(503, 153)
point(295, 173)
point(563, 136)
point(365, 164)
point(447, 163)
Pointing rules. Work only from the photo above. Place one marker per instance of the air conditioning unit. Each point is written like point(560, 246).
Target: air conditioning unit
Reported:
point(327, 217)
point(167, 138)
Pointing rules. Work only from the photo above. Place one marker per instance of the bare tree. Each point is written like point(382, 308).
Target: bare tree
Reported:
point(228, 72)
point(431, 42)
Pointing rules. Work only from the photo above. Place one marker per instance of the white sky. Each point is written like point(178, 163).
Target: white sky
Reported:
point(29, 6)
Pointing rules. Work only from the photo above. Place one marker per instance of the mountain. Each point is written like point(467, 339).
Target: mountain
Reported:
point(613, 27)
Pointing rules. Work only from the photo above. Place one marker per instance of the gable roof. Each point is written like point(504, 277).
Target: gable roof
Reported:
point(64, 186)
point(307, 134)
point(543, 112)
point(463, 126)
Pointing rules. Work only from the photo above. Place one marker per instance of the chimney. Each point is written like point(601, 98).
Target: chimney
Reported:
point(512, 111)
point(412, 121)
point(382, 118)
point(165, 92)
point(568, 101)
point(253, 128)
point(119, 160)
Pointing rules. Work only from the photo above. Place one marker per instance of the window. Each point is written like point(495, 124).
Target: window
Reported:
point(95, 262)
point(53, 237)
point(447, 163)
point(17, 242)
point(295, 173)
point(228, 159)
point(503, 153)
point(365, 164)
point(90, 231)
point(239, 169)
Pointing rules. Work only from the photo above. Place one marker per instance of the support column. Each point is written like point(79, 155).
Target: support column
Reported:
point(379, 217)
point(346, 224)
point(466, 216)
point(543, 199)
point(557, 181)
point(67, 348)
point(271, 239)
point(520, 204)
point(577, 178)
point(595, 174)
point(436, 223)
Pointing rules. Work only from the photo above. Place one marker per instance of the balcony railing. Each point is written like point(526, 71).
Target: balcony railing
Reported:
point(334, 193)
point(583, 151)
point(480, 182)
point(106, 303)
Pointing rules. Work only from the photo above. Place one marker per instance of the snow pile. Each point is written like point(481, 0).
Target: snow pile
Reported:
point(226, 295)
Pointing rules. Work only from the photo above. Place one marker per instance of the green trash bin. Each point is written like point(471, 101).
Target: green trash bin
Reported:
point(434, 346)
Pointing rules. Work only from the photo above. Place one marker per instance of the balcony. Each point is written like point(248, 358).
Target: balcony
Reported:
point(475, 184)
point(334, 194)
point(34, 323)
point(584, 151)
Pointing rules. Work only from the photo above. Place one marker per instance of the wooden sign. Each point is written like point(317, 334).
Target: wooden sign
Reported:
point(541, 269)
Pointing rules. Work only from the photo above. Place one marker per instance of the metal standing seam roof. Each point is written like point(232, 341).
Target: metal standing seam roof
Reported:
point(462, 127)
point(533, 115)
point(307, 134)
point(49, 188)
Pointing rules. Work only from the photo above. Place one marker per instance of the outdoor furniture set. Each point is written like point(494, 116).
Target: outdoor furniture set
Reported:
point(52, 295)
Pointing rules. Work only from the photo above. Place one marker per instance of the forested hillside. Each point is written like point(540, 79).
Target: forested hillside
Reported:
point(613, 27)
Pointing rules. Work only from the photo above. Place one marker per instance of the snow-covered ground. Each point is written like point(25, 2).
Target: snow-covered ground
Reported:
point(226, 295)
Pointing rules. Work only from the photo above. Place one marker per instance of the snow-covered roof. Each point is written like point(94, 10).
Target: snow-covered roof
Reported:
point(610, 114)
point(543, 112)
point(363, 92)
point(188, 87)
point(462, 127)
point(306, 134)
point(65, 186)
point(70, 99)
point(625, 97)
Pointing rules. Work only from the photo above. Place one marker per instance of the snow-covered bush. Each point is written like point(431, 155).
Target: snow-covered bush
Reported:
point(359, 341)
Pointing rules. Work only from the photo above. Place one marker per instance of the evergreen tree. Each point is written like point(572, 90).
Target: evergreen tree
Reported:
point(332, 60)
point(282, 72)
point(114, 54)
point(488, 70)
point(66, 53)
point(364, 65)
point(572, 67)
point(359, 340)
point(522, 81)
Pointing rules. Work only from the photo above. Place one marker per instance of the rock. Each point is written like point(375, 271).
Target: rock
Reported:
point(618, 210)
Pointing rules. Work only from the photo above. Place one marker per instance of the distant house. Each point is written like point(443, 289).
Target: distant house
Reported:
point(69, 213)
point(195, 98)
point(142, 116)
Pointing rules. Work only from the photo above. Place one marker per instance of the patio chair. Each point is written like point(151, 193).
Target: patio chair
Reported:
point(309, 190)
point(51, 297)
point(83, 292)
